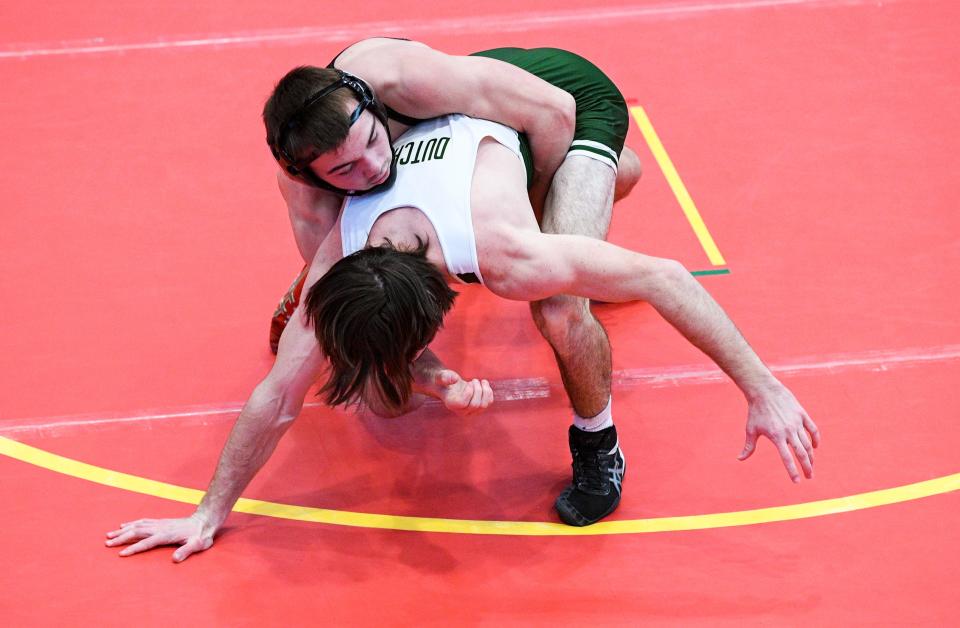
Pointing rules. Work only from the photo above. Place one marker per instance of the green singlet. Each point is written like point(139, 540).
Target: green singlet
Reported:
point(602, 119)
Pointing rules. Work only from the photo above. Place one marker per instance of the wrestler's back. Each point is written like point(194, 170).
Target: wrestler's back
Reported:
point(499, 206)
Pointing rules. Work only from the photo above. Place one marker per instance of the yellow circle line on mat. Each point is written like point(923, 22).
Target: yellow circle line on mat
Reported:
point(124, 481)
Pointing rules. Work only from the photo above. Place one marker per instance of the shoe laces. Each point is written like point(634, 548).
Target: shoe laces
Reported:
point(588, 472)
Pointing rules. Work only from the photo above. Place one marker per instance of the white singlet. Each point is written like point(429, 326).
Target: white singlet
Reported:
point(435, 162)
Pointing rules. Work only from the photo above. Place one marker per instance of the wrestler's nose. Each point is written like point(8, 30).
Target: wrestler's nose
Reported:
point(371, 167)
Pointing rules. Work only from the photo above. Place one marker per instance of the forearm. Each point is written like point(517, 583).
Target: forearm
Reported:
point(550, 132)
point(602, 271)
point(433, 379)
point(680, 299)
point(686, 305)
point(425, 370)
point(253, 439)
point(425, 385)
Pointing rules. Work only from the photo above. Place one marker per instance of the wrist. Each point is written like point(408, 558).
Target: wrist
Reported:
point(210, 520)
point(423, 373)
point(426, 386)
point(760, 386)
point(424, 370)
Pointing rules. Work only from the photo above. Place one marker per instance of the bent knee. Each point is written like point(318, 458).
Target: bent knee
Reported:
point(555, 315)
point(629, 172)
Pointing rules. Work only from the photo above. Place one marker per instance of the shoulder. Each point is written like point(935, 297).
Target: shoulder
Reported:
point(379, 60)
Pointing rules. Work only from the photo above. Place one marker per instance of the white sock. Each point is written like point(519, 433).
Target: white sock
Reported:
point(594, 424)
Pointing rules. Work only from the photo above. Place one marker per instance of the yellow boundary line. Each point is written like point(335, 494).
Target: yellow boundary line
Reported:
point(99, 475)
point(679, 189)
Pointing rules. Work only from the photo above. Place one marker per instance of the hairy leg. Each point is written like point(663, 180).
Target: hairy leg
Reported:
point(580, 202)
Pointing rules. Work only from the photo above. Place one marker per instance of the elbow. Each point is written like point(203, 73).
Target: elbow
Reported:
point(555, 113)
point(668, 277)
point(564, 111)
point(673, 270)
point(517, 272)
point(286, 417)
point(275, 404)
point(530, 282)
point(289, 409)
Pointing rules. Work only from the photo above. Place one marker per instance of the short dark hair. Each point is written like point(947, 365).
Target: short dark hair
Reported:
point(372, 313)
point(328, 122)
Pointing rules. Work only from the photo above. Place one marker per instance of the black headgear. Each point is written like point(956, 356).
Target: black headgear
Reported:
point(300, 169)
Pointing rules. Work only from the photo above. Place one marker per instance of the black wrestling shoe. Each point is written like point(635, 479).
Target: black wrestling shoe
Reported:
point(598, 469)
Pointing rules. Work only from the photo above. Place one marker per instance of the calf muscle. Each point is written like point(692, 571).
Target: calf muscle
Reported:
point(580, 202)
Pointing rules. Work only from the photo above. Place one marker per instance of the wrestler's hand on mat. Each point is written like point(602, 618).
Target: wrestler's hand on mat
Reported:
point(192, 534)
point(778, 415)
point(462, 396)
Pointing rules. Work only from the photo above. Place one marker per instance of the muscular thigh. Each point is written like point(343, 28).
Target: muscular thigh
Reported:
point(580, 200)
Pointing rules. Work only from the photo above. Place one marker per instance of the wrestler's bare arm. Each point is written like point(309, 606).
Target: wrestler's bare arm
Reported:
point(405, 75)
point(267, 415)
point(312, 211)
point(431, 378)
point(271, 409)
point(546, 264)
point(541, 265)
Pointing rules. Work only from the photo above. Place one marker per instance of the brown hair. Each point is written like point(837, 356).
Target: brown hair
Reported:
point(324, 127)
point(372, 313)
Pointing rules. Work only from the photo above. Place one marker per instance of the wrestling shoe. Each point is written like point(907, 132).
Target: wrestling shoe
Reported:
point(286, 308)
point(598, 470)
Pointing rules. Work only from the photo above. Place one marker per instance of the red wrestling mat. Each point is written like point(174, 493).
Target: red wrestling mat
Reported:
point(144, 246)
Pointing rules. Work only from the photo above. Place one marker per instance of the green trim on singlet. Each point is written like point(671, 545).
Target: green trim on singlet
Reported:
point(597, 151)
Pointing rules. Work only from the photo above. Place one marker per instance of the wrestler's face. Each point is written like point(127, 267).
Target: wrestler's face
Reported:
point(362, 161)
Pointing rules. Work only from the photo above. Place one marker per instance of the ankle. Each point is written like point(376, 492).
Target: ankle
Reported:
point(596, 423)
